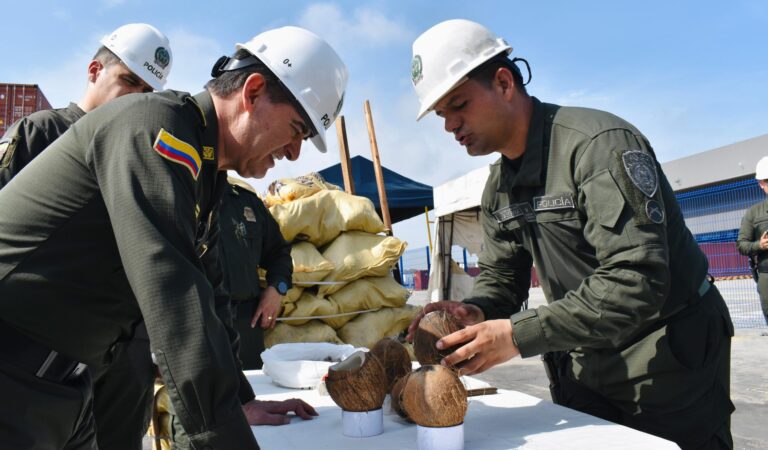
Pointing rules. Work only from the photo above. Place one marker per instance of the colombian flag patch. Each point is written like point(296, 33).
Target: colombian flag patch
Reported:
point(178, 151)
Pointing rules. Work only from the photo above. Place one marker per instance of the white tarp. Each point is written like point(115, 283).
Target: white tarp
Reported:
point(457, 208)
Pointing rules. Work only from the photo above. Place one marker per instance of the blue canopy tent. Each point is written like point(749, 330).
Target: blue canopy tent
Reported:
point(406, 198)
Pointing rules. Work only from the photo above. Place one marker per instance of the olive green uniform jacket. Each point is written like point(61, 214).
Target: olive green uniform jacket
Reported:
point(29, 136)
point(589, 205)
point(111, 237)
point(123, 389)
point(753, 225)
point(250, 238)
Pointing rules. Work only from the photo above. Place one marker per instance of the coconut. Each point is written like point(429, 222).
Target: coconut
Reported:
point(394, 357)
point(358, 383)
point(396, 397)
point(432, 327)
point(433, 396)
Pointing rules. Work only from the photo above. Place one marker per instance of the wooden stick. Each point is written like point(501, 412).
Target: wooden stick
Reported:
point(346, 170)
point(429, 232)
point(481, 391)
point(377, 168)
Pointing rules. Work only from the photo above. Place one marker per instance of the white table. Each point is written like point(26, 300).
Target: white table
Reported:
point(506, 420)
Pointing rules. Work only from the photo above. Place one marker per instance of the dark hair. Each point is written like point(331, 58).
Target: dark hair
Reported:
point(105, 56)
point(232, 80)
point(486, 72)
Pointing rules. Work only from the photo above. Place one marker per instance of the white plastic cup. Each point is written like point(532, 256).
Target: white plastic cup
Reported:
point(362, 424)
point(444, 438)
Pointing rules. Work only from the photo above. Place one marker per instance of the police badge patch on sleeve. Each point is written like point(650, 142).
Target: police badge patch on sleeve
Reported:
point(641, 170)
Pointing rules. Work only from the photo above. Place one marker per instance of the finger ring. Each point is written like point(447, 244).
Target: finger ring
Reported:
point(269, 318)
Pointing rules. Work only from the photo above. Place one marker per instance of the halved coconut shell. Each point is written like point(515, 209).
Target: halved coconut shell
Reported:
point(396, 397)
point(433, 396)
point(432, 327)
point(394, 357)
point(358, 383)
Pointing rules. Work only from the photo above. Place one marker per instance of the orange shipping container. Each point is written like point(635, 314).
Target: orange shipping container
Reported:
point(19, 100)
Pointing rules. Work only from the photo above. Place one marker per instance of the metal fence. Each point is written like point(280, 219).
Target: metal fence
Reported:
point(713, 214)
point(415, 263)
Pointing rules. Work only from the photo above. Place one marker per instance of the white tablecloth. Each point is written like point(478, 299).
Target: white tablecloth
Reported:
point(506, 420)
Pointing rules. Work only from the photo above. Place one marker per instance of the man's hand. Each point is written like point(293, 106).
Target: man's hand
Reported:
point(486, 344)
point(259, 412)
point(268, 309)
point(466, 313)
point(764, 241)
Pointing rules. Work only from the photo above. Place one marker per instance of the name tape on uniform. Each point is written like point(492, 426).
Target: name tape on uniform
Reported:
point(552, 202)
point(514, 211)
point(526, 212)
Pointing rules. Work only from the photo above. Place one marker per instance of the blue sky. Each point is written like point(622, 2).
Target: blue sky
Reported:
point(691, 75)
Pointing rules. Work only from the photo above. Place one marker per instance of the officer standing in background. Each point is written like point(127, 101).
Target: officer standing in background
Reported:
point(251, 238)
point(110, 237)
point(642, 335)
point(132, 59)
point(753, 236)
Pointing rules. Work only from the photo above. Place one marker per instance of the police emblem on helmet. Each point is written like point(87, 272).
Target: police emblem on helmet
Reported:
point(162, 57)
point(416, 68)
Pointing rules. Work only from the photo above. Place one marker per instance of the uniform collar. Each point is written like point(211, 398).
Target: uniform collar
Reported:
point(530, 168)
point(210, 124)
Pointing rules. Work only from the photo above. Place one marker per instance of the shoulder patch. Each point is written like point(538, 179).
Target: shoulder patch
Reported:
point(641, 169)
point(178, 151)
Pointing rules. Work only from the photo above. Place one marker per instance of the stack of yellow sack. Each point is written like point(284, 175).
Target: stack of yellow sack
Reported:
point(343, 287)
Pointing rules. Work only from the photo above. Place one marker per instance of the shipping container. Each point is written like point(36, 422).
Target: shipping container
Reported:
point(19, 100)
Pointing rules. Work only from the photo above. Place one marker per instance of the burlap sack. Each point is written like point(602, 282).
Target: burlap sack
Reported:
point(367, 329)
point(361, 295)
point(369, 293)
point(321, 217)
point(312, 331)
point(289, 189)
point(308, 305)
point(357, 254)
point(308, 264)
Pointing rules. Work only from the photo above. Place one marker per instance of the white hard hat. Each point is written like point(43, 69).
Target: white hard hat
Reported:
point(309, 68)
point(144, 50)
point(761, 171)
point(445, 54)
